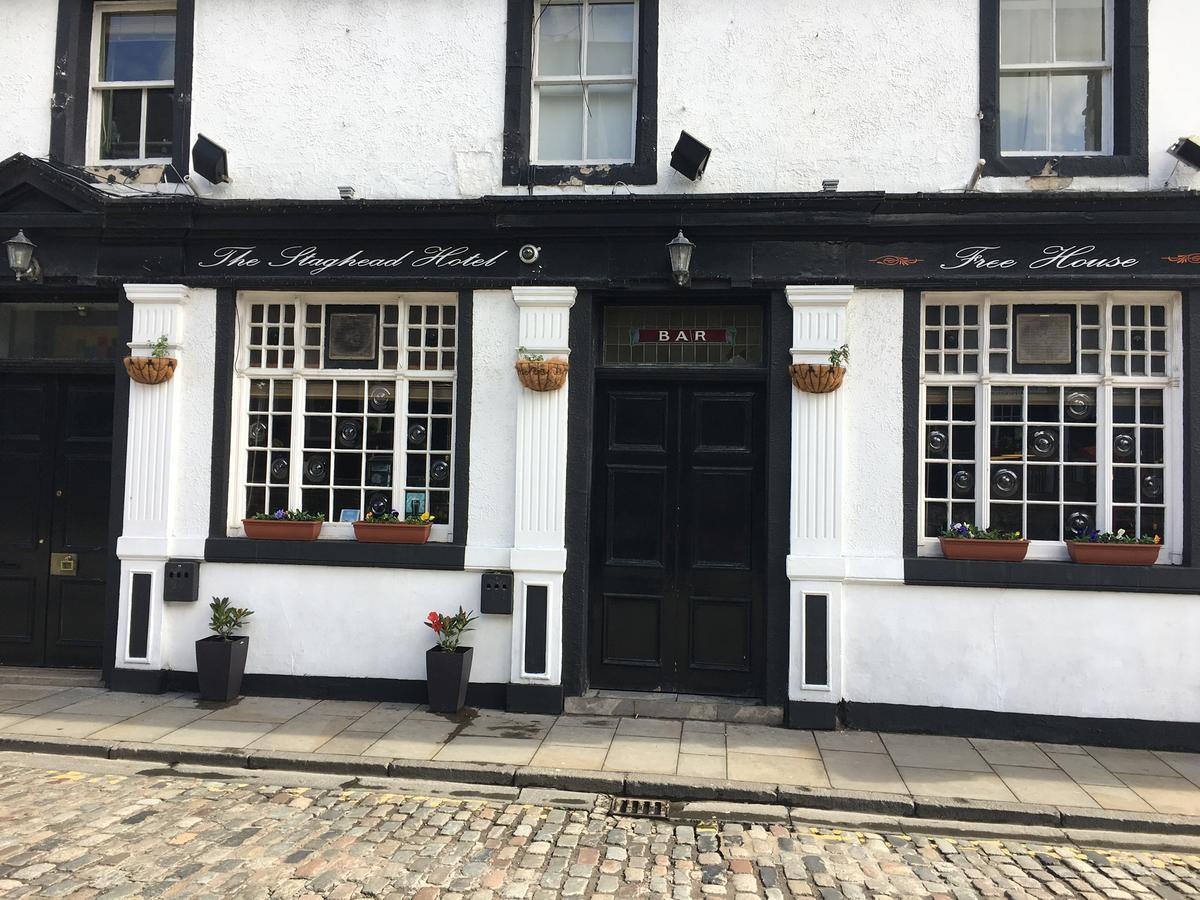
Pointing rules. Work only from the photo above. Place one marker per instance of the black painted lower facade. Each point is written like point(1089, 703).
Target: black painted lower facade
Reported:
point(682, 564)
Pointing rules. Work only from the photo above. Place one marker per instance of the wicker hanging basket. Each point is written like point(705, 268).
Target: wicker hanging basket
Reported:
point(817, 378)
point(150, 369)
point(542, 375)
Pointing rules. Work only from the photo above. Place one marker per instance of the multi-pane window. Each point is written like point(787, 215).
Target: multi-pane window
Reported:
point(1050, 415)
point(584, 81)
point(347, 405)
point(1055, 76)
point(133, 82)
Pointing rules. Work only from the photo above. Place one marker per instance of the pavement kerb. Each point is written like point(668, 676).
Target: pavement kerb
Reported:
point(874, 807)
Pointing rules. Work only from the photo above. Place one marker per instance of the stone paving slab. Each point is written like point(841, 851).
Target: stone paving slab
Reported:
point(97, 828)
point(1127, 783)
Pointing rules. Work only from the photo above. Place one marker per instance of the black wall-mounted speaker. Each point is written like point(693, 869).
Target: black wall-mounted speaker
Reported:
point(689, 156)
point(210, 160)
point(1187, 149)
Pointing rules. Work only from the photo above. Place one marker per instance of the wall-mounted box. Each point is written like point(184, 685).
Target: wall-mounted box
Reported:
point(181, 580)
point(496, 593)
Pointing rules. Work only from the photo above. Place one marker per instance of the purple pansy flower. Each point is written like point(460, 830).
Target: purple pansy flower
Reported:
point(280, 514)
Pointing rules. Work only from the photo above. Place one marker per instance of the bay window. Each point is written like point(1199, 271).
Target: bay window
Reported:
point(344, 405)
point(1051, 414)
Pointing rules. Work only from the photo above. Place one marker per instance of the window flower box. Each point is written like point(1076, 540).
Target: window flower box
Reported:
point(284, 525)
point(1119, 549)
point(965, 541)
point(401, 533)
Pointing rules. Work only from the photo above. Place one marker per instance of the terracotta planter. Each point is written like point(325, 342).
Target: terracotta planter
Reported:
point(815, 378)
point(281, 529)
point(1113, 554)
point(973, 548)
point(447, 676)
point(374, 533)
point(220, 665)
point(544, 375)
point(150, 369)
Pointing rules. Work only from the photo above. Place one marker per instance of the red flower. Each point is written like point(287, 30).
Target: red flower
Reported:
point(435, 622)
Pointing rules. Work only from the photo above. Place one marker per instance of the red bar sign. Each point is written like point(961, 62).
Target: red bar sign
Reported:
point(682, 336)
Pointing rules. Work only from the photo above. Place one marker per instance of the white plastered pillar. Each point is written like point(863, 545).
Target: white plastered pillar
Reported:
point(145, 543)
point(815, 564)
point(539, 555)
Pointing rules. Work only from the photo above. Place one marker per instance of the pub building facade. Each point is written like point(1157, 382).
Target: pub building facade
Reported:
point(678, 517)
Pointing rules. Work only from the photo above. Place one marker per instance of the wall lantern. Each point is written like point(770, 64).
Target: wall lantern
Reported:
point(1187, 149)
point(680, 250)
point(20, 258)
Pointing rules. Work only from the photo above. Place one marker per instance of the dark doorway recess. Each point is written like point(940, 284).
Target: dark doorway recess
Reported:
point(56, 433)
point(678, 533)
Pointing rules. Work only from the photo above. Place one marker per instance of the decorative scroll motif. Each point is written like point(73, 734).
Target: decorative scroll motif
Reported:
point(896, 261)
point(1184, 259)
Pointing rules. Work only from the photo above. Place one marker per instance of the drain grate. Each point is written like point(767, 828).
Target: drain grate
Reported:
point(641, 807)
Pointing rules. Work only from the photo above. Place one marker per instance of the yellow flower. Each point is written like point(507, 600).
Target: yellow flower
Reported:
point(1157, 539)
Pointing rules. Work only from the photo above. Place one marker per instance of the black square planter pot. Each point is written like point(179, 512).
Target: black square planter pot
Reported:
point(447, 675)
point(220, 665)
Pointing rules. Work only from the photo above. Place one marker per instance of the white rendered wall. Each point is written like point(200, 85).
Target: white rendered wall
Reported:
point(27, 32)
point(348, 621)
point(1071, 653)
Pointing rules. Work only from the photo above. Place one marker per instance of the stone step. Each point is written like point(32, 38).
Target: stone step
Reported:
point(648, 705)
point(50, 677)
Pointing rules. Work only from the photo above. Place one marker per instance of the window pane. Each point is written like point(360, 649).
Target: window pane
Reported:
point(1023, 107)
point(610, 39)
point(120, 124)
point(560, 123)
point(610, 123)
point(159, 127)
point(1077, 105)
point(1025, 31)
point(138, 46)
point(558, 40)
point(1079, 31)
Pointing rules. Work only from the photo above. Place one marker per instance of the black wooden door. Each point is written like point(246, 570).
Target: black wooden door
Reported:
point(678, 537)
point(56, 456)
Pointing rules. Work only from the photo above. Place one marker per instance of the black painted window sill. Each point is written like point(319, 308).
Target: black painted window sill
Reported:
point(1044, 574)
point(335, 553)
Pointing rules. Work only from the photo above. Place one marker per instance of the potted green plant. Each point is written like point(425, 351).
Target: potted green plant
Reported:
point(447, 665)
point(818, 378)
point(156, 368)
point(221, 657)
point(284, 525)
point(391, 528)
point(540, 374)
point(1117, 548)
point(963, 540)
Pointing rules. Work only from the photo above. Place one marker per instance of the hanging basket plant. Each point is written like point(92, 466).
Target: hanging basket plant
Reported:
point(540, 374)
point(155, 368)
point(819, 378)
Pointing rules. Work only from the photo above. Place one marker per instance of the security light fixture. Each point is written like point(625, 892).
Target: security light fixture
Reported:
point(21, 259)
point(210, 160)
point(690, 156)
point(1187, 149)
point(346, 191)
point(680, 250)
point(829, 185)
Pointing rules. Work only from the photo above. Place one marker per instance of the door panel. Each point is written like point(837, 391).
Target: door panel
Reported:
point(56, 455)
point(678, 556)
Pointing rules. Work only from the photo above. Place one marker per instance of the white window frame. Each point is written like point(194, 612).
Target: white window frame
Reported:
point(1103, 382)
point(583, 80)
point(97, 86)
point(1104, 66)
point(299, 375)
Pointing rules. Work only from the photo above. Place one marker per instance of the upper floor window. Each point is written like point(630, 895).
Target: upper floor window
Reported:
point(581, 104)
point(1055, 76)
point(1052, 415)
point(584, 81)
point(1063, 87)
point(133, 83)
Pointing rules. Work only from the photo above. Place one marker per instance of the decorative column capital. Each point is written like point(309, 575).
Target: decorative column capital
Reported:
point(544, 296)
point(819, 294)
point(157, 293)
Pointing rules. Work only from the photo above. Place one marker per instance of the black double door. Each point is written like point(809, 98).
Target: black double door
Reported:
point(56, 460)
point(678, 537)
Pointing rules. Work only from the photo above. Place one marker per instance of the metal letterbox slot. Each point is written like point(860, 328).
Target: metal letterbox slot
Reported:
point(63, 563)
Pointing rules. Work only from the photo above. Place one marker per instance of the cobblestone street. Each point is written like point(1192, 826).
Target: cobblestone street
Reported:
point(108, 829)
